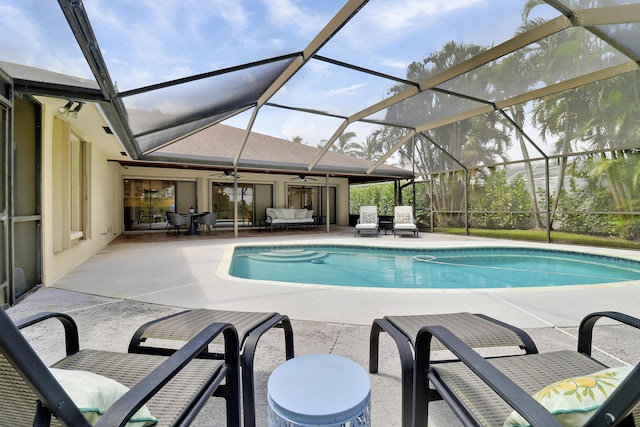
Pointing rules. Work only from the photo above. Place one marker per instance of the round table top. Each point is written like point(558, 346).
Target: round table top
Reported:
point(319, 389)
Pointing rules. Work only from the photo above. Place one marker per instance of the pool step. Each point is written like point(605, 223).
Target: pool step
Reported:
point(288, 255)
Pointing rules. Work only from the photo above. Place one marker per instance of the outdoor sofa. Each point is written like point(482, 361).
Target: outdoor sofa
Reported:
point(285, 217)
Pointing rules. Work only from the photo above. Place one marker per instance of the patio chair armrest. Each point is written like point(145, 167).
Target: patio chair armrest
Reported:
point(620, 403)
point(585, 332)
point(510, 392)
point(72, 342)
point(120, 412)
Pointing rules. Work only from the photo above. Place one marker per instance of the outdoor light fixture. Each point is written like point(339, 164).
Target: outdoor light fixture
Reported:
point(67, 111)
point(74, 113)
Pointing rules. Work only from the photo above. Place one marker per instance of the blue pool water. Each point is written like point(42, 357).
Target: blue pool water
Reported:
point(460, 268)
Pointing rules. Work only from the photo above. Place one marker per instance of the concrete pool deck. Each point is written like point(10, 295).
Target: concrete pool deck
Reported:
point(129, 283)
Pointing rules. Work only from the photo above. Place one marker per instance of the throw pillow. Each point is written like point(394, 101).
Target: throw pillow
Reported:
point(93, 394)
point(574, 400)
point(368, 218)
point(402, 218)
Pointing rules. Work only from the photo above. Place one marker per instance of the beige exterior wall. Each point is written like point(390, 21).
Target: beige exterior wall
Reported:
point(104, 214)
point(105, 209)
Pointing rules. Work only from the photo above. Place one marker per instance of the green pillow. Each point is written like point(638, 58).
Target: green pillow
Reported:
point(574, 400)
point(93, 394)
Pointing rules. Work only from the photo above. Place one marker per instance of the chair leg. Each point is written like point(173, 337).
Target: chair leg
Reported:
point(247, 358)
point(406, 363)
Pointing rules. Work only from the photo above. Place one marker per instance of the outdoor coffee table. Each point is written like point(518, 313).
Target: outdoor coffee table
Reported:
point(319, 390)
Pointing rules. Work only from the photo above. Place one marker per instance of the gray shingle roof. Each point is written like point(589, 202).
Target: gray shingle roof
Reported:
point(221, 144)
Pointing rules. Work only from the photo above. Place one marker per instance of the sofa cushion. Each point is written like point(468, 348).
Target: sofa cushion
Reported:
point(286, 213)
point(301, 213)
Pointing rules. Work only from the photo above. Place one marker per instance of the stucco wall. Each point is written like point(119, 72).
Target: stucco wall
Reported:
point(105, 211)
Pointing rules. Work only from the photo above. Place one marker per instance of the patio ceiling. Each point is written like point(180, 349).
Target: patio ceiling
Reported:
point(318, 72)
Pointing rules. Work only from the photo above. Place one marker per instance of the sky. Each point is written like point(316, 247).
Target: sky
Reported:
point(150, 41)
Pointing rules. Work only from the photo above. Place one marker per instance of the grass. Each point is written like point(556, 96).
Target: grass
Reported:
point(541, 236)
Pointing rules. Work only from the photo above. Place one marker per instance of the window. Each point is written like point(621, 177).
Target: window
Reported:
point(147, 201)
point(70, 186)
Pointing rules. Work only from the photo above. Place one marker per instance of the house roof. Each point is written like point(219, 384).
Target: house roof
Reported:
point(218, 145)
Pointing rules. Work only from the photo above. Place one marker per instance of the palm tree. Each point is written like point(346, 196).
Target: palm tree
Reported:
point(371, 148)
point(343, 144)
point(473, 142)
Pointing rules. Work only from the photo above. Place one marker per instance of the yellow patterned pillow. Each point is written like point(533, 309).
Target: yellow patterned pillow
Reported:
point(574, 400)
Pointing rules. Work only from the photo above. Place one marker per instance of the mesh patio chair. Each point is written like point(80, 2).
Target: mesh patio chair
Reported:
point(207, 222)
point(174, 389)
point(477, 330)
point(368, 220)
point(176, 221)
point(403, 221)
point(485, 392)
point(156, 336)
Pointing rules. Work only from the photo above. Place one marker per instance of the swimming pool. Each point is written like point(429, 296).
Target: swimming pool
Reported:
point(450, 268)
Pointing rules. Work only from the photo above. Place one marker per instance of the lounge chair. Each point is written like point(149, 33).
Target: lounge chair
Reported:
point(403, 220)
point(477, 330)
point(485, 392)
point(368, 220)
point(184, 325)
point(173, 389)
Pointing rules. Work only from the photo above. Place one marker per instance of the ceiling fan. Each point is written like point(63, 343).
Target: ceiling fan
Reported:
point(228, 174)
point(305, 178)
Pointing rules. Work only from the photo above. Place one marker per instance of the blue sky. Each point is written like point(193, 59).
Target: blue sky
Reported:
point(150, 41)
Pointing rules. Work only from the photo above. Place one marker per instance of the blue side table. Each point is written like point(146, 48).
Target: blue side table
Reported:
point(319, 390)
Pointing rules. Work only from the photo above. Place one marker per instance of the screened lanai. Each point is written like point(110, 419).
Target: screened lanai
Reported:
point(509, 114)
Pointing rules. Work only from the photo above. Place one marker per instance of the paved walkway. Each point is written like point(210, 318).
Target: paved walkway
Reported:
point(141, 277)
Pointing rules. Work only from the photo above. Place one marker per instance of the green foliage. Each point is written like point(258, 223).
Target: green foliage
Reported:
point(541, 236)
point(382, 196)
point(372, 195)
point(499, 204)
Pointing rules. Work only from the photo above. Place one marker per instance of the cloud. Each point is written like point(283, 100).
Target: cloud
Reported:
point(398, 15)
point(286, 14)
point(394, 63)
point(348, 90)
point(233, 12)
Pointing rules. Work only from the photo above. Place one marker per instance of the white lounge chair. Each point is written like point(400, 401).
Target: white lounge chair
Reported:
point(403, 220)
point(368, 220)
